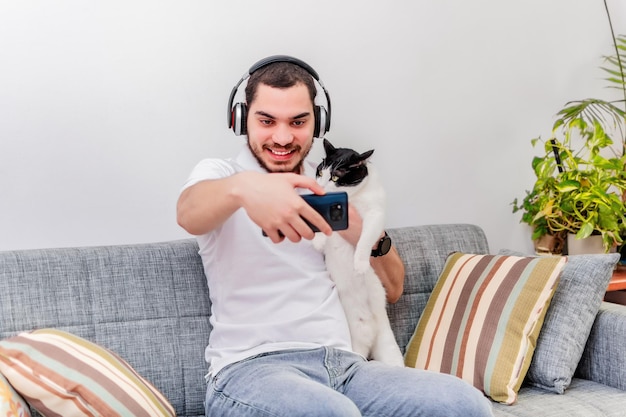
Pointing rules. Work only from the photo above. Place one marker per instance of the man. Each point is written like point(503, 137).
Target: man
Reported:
point(280, 344)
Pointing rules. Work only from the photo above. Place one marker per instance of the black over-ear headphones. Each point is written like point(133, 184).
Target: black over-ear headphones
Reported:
point(237, 113)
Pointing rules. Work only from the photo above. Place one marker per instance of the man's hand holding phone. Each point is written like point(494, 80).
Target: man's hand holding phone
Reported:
point(272, 202)
point(333, 207)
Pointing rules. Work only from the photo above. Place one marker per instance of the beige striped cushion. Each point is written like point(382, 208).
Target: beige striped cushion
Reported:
point(483, 318)
point(62, 374)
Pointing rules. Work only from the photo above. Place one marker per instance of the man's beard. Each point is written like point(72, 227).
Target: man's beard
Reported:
point(297, 169)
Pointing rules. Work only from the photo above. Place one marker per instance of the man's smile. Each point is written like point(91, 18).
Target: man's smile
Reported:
point(281, 154)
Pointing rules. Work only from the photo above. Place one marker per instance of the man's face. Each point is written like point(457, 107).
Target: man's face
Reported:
point(280, 127)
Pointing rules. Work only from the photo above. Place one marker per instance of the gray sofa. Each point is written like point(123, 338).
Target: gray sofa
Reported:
point(149, 303)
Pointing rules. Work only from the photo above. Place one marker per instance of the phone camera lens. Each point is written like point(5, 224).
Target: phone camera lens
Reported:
point(336, 212)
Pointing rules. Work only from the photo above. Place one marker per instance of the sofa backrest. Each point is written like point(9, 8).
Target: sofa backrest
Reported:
point(149, 303)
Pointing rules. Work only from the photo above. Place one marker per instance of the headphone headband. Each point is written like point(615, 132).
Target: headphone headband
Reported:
point(237, 113)
point(283, 58)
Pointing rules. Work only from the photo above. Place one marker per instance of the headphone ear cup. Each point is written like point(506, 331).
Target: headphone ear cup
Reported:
point(321, 121)
point(316, 115)
point(239, 116)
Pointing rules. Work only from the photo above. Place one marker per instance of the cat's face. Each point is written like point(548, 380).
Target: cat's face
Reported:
point(342, 167)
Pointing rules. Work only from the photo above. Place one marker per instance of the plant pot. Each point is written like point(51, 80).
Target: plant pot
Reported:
point(588, 245)
point(549, 245)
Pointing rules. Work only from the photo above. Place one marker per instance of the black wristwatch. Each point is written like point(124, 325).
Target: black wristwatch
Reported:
point(384, 246)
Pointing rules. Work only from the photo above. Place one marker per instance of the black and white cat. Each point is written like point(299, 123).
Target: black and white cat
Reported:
point(361, 292)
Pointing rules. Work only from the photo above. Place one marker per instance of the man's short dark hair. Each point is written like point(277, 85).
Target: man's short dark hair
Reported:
point(280, 75)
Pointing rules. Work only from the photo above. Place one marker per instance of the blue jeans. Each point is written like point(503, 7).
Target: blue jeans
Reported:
point(330, 382)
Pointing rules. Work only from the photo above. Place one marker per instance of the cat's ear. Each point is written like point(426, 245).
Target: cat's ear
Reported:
point(328, 147)
point(366, 155)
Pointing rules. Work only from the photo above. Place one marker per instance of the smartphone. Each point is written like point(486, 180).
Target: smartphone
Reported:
point(332, 206)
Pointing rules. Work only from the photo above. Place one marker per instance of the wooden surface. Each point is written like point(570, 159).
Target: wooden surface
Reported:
point(618, 281)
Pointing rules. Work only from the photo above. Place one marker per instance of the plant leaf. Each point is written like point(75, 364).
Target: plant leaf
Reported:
point(568, 185)
point(585, 231)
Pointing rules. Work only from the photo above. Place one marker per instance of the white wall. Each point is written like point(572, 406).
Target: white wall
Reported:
point(106, 106)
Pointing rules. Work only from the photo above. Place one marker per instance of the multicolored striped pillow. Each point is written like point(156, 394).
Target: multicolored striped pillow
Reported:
point(483, 318)
point(62, 374)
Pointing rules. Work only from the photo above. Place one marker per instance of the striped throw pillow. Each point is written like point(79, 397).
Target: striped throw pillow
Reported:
point(62, 374)
point(483, 318)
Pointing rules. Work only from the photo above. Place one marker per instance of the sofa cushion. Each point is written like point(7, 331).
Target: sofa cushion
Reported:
point(148, 302)
point(482, 320)
point(11, 404)
point(62, 374)
point(584, 398)
point(569, 319)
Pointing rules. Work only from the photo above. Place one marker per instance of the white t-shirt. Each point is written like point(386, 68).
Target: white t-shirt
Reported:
point(265, 296)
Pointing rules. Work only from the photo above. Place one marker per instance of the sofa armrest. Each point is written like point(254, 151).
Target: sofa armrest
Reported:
point(604, 359)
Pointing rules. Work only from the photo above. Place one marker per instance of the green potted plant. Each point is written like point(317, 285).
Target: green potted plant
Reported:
point(577, 191)
point(580, 178)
